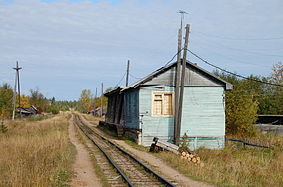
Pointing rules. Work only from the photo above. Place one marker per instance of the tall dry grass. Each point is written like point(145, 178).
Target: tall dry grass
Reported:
point(233, 166)
point(36, 153)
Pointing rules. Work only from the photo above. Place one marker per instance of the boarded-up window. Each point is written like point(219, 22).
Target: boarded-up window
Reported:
point(162, 104)
point(157, 105)
point(168, 108)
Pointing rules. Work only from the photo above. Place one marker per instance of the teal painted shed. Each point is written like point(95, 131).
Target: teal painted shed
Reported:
point(147, 107)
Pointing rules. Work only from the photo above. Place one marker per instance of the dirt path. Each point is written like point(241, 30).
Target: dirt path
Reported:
point(85, 174)
point(157, 163)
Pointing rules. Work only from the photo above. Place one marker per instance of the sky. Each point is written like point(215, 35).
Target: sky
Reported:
point(65, 46)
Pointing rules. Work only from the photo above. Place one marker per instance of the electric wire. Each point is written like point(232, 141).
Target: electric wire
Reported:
point(235, 74)
point(134, 76)
point(248, 52)
point(239, 39)
point(173, 57)
point(121, 79)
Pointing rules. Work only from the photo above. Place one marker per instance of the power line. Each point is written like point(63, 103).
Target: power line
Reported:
point(240, 39)
point(237, 75)
point(121, 79)
point(173, 57)
point(134, 76)
point(243, 50)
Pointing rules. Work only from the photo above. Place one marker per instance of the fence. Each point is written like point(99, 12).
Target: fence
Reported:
point(245, 142)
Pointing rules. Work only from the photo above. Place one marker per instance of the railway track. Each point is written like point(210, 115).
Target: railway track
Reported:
point(120, 167)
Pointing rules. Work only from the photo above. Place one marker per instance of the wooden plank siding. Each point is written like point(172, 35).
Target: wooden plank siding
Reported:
point(115, 108)
point(203, 114)
point(193, 78)
point(162, 127)
point(131, 110)
point(203, 117)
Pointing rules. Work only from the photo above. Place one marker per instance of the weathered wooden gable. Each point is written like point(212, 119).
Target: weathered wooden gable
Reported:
point(194, 77)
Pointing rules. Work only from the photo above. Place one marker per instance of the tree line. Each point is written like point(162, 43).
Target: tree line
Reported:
point(35, 98)
point(250, 97)
point(86, 102)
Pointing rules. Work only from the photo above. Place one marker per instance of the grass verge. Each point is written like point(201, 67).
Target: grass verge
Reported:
point(232, 167)
point(36, 153)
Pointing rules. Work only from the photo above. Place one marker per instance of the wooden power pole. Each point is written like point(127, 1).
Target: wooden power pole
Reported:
point(17, 82)
point(95, 96)
point(177, 85)
point(177, 81)
point(101, 100)
point(127, 75)
point(183, 76)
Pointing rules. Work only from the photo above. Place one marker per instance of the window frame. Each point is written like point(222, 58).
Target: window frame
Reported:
point(163, 100)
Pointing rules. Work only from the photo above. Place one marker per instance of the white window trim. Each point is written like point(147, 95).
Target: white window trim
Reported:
point(162, 93)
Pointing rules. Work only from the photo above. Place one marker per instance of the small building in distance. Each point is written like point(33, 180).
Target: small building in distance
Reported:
point(29, 111)
point(146, 108)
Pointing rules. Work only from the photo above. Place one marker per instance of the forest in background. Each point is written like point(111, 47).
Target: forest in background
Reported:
point(252, 96)
point(248, 98)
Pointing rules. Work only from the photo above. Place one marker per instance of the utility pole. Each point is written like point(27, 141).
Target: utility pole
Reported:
point(14, 97)
point(95, 96)
point(177, 80)
point(127, 75)
point(183, 76)
point(101, 100)
point(17, 81)
point(177, 85)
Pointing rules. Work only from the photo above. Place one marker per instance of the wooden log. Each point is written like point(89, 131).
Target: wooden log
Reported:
point(194, 160)
point(184, 153)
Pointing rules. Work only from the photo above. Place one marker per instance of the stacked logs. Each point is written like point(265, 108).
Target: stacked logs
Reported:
point(190, 157)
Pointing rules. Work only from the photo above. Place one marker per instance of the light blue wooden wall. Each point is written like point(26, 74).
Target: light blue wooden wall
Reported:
point(203, 117)
point(162, 127)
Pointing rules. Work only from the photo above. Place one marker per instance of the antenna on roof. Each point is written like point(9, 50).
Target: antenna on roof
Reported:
point(182, 12)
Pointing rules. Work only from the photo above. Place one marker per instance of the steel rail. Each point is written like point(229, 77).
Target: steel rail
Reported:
point(156, 175)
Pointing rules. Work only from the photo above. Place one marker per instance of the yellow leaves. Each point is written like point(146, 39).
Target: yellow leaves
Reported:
point(241, 110)
point(25, 101)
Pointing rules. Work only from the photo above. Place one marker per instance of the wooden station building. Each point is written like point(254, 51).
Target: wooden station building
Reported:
point(146, 109)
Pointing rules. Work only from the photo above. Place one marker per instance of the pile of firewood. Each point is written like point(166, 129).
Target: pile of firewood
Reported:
point(190, 157)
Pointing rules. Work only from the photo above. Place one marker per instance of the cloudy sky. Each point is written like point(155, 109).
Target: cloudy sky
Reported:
point(65, 46)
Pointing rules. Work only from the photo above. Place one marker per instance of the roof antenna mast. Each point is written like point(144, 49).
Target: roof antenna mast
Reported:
point(182, 12)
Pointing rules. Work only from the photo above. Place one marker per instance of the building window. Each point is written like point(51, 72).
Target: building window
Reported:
point(162, 104)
